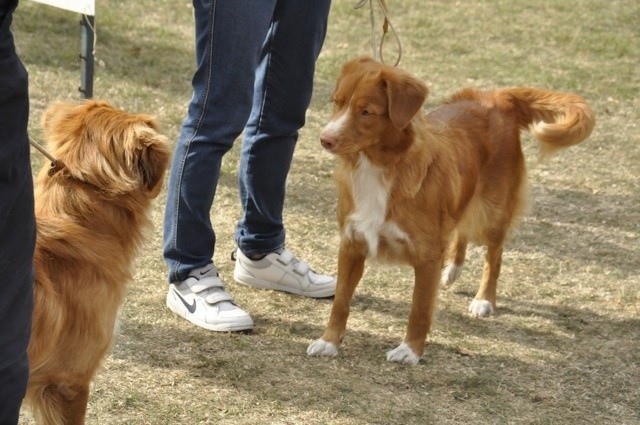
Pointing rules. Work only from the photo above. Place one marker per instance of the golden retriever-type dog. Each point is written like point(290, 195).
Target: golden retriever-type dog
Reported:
point(90, 218)
point(411, 185)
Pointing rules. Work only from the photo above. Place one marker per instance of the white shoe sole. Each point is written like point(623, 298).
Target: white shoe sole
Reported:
point(254, 282)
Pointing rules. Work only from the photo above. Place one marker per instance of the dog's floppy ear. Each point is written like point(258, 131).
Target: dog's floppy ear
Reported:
point(153, 155)
point(406, 94)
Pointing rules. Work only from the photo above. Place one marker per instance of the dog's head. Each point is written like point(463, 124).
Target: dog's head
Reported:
point(373, 105)
point(112, 150)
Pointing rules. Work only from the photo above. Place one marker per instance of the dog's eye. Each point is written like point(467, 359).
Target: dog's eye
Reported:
point(365, 112)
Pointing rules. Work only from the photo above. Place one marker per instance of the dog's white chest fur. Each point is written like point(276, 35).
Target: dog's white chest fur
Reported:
point(368, 220)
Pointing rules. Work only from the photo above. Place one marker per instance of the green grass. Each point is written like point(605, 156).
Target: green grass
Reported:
point(564, 346)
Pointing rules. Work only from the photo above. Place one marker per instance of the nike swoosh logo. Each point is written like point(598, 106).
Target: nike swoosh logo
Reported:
point(202, 273)
point(191, 307)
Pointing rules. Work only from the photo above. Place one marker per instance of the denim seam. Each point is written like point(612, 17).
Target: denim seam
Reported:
point(203, 107)
point(268, 47)
point(266, 79)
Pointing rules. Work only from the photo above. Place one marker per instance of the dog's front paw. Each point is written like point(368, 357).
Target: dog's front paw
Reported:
point(480, 308)
point(450, 274)
point(322, 348)
point(403, 354)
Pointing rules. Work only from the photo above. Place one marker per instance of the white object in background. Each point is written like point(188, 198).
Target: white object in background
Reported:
point(86, 7)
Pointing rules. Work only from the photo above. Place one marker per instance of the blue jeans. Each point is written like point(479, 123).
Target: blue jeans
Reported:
point(255, 61)
point(17, 224)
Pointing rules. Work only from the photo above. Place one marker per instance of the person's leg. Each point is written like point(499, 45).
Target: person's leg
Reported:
point(229, 37)
point(17, 225)
point(284, 82)
point(283, 88)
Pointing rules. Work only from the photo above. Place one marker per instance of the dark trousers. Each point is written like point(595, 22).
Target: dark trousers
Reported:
point(17, 224)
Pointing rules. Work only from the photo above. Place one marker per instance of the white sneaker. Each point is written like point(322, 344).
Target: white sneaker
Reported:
point(202, 300)
point(283, 272)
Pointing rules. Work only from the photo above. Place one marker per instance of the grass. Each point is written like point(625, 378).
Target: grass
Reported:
point(564, 346)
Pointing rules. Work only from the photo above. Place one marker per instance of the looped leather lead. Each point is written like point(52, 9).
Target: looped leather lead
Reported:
point(377, 53)
point(56, 165)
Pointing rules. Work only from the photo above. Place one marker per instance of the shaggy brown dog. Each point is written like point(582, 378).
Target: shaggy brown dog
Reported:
point(90, 220)
point(410, 184)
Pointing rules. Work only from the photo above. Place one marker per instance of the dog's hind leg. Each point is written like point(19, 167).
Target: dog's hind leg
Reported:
point(454, 259)
point(484, 303)
point(350, 270)
point(76, 407)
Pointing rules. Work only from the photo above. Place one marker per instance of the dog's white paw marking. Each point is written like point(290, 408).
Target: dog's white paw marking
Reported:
point(450, 274)
point(322, 348)
point(403, 354)
point(480, 308)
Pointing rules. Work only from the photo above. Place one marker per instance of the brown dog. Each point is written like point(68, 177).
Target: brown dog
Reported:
point(90, 219)
point(410, 185)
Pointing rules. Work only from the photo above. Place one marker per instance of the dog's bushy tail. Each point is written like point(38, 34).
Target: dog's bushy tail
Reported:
point(56, 400)
point(557, 120)
point(44, 404)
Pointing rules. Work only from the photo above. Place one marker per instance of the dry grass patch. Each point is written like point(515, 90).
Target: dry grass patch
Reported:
point(564, 346)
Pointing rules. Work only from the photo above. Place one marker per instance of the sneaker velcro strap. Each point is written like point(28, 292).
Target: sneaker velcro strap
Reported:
point(286, 257)
point(205, 283)
point(301, 268)
point(217, 297)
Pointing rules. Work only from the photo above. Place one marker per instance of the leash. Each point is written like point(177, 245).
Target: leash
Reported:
point(377, 51)
point(87, 22)
point(56, 165)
